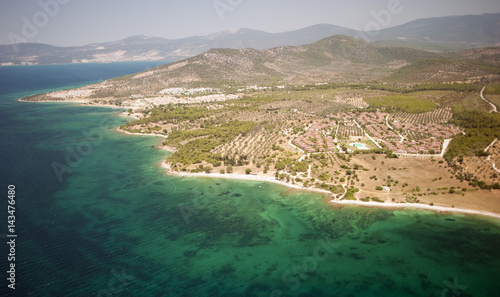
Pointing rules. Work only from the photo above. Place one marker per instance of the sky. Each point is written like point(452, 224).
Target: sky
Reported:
point(80, 22)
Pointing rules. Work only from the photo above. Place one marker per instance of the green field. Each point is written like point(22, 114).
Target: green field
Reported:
point(492, 94)
point(405, 103)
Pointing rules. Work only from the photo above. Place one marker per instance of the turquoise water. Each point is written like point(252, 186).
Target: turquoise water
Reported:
point(359, 145)
point(107, 222)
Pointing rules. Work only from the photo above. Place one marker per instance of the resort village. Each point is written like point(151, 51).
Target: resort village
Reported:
point(351, 131)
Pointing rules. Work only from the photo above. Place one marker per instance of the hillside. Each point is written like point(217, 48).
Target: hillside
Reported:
point(312, 115)
point(337, 59)
point(436, 34)
point(141, 48)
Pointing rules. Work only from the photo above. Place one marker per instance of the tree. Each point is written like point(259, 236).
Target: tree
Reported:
point(248, 171)
point(229, 168)
point(324, 176)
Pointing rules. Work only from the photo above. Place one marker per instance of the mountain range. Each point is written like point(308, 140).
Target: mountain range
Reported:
point(339, 59)
point(435, 34)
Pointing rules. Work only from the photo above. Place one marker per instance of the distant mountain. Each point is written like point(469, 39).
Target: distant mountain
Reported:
point(340, 59)
point(470, 30)
point(144, 48)
point(438, 34)
point(335, 59)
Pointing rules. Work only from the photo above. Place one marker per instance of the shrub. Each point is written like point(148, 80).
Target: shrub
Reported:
point(411, 199)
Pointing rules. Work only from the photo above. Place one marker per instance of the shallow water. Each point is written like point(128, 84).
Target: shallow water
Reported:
point(112, 224)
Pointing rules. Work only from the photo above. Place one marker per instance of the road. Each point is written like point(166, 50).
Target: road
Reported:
point(390, 127)
point(366, 133)
point(489, 157)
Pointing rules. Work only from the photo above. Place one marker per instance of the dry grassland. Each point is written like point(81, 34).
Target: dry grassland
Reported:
point(432, 179)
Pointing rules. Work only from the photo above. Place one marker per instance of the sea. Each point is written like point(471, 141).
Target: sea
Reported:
point(95, 215)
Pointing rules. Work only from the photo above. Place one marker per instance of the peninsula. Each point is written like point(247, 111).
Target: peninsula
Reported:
point(364, 124)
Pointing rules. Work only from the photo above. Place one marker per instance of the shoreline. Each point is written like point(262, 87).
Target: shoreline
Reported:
point(235, 176)
point(81, 102)
point(269, 179)
point(370, 204)
point(435, 208)
point(140, 134)
point(161, 146)
point(53, 101)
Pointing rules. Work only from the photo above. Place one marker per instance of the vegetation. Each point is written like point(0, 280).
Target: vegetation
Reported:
point(402, 103)
point(202, 141)
point(447, 87)
point(376, 199)
point(492, 89)
point(440, 115)
point(411, 199)
point(349, 195)
point(250, 135)
point(171, 114)
point(480, 130)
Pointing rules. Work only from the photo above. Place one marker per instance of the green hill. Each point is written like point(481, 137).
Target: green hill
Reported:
point(333, 59)
point(336, 59)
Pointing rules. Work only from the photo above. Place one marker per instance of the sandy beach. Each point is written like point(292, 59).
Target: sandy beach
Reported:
point(435, 208)
point(271, 179)
point(389, 205)
point(249, 177)
point(139, 134)
point(334, 201)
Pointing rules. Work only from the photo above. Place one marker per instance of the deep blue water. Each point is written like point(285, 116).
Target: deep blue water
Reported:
point(95, 216)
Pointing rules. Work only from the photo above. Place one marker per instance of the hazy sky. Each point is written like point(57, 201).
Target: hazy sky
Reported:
point(79, 22)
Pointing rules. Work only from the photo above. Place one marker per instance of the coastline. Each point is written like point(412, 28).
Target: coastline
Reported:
point(139, 134)
point(250, 177)
point(387, 205)
point(53, 101)
point(269, 179)
point(435, 208)
point(335, 201)
point(163, 147)
point(81, 102)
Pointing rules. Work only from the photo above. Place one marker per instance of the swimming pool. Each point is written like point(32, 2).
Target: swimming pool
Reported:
point(359, 146)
